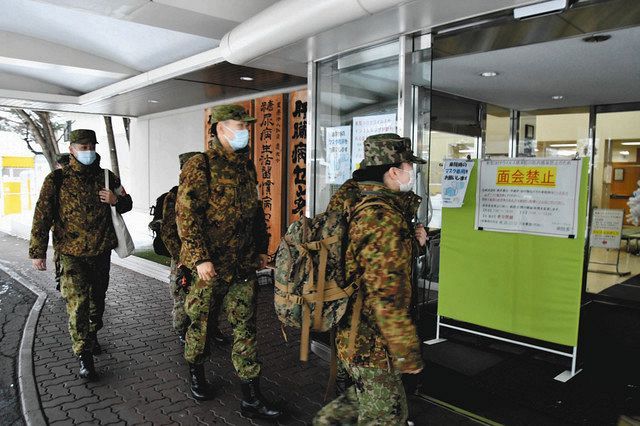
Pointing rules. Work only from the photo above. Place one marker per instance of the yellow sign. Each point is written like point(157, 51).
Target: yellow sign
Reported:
point(19, 162)
point(526, 176)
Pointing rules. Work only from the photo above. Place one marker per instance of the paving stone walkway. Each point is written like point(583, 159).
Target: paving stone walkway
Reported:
point(143, 377)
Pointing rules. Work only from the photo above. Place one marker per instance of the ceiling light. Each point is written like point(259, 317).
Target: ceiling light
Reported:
point(557, 97)
point(467, 151)
point(565, 152)
point(563, 145)
point(596, 38)
point(489, 74)
point(245, 78)
point(631, 143)
point(152, 101)
point(625, 153)
point(539, 9)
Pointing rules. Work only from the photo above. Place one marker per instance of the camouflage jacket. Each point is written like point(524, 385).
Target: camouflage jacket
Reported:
point(380, 253)
point(169, 228)
point(221, 220)
point(81, 223)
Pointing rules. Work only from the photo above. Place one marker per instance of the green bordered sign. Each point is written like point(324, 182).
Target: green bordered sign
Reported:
point(527, 285)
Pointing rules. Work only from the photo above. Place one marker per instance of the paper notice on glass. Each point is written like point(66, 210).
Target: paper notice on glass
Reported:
point(606, 228)
point(530, 196)
point(338, 154)
point(367, 126)
point(455, 180)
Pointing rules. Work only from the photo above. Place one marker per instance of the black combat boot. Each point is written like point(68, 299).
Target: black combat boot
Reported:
point(200, 388)
point(254, 404)
point(218, 338)
point(87, 369)
point(96, 349)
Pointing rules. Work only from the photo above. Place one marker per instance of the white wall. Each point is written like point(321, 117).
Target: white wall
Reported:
point(155, 146)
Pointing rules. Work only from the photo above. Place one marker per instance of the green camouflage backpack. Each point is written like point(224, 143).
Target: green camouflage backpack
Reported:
point(311, 292)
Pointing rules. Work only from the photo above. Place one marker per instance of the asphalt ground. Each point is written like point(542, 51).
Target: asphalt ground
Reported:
point(15, 305)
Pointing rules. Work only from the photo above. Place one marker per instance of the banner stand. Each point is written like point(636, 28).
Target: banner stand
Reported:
point(563, 377)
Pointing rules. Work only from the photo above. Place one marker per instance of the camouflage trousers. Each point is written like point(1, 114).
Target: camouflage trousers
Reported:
point(238, 299)
point(377, 397)
point(180, 318)
point(84, 285)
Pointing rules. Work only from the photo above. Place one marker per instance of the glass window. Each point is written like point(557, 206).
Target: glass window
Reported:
point(357, 95)
point(555, 133)
point(497, 124)
point(613, 271)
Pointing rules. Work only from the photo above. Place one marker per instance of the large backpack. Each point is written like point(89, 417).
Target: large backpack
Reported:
point(156, 223)
point(311, 292)
point(158, 208)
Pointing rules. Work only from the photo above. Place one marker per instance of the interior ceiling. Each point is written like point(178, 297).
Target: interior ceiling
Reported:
point(529, 76)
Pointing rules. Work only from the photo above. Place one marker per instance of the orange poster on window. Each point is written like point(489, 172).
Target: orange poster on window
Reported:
point(297, 156)
point(268, 158)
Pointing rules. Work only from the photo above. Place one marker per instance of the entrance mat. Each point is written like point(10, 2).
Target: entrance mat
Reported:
point(623, 291)
point(521, 389)
point(461, 358)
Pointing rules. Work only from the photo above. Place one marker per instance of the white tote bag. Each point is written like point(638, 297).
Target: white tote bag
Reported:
point(125, 242)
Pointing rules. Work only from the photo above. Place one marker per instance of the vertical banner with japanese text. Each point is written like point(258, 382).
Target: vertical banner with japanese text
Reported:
point(297, 158)
point(268, 152)
point(247, 105)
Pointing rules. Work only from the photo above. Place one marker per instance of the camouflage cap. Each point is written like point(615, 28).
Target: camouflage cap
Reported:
point(388, 148)
point(185, 156)
point(83, 136)
point(62, 159)
point(230, 112)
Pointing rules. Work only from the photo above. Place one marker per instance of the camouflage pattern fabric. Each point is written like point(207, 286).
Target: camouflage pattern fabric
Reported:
point(221, 220)
point(82, 225)
point(180, 320)
point(238, 299)
point(169, 228)
point(388, 148)
point(84, 285)
point(171, 239)
point(377, 397)
point(380, 250)
point(82, 136)
point(294, 266)
point(230, 112)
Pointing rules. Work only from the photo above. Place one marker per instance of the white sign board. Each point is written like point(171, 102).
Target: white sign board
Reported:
point(455, 180)
point(606, 228)
point(338, 154)
point(532, 196)
point(367, 126)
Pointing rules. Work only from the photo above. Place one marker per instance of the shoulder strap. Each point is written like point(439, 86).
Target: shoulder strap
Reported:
point(57, 184)
point(208, 169)
point(369, 202)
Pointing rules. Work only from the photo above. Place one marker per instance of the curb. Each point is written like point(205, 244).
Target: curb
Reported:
point(29, 395)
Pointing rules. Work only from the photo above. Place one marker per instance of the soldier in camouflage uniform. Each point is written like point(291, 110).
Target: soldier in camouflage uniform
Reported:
point(79, 212)
point(224, 241)
point(171, 239)
point(382, 244)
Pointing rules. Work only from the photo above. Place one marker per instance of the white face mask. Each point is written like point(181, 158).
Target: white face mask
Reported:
point(406, 187)
point(86, 157)
point(240, 138)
